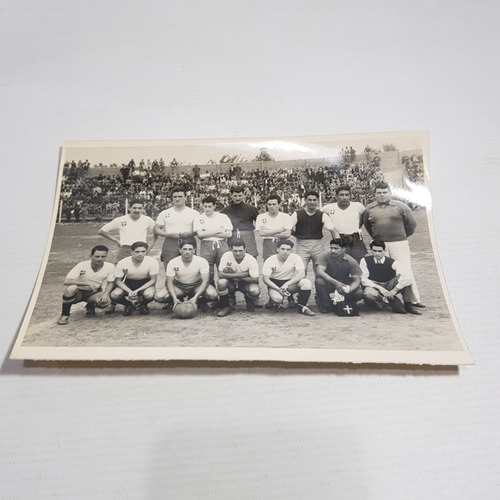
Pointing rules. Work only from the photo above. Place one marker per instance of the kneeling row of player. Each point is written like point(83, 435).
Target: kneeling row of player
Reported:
point(339, 280)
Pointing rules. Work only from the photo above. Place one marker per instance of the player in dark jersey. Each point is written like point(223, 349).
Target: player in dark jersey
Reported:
point(243, 217)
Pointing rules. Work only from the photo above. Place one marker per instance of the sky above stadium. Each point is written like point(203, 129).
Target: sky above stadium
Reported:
point(202, 151)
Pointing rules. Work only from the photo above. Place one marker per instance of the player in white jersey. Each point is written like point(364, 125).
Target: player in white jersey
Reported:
point(85, 282)
point(135, 280)
point(273, 226)
point(238, 271)
point(346, 216)
point(187, 277)
point(131, 228)
point(285, 274)
point(213, 229)
point(174, 224)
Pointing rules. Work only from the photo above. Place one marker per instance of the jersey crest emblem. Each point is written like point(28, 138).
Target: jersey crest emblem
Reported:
point(124, 223)
point(176, 269)
point(82, 272)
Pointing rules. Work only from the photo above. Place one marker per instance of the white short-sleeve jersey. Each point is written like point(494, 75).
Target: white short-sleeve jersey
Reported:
point(228, 264)
point(346, 221)
point(177, 221)
point(278, 270)
point(216, 221)
point(95, 278)
point(281, 220)
point(126, 268)
point(187, 273)
point(130, 230)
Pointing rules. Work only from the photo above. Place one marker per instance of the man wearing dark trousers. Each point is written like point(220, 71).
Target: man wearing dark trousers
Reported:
point(339, 272)
point(383, 279)
point(243, 217)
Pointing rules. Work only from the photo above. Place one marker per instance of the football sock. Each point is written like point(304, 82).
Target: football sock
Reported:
point(224, 300)
point(66, 305)
point(303, 297)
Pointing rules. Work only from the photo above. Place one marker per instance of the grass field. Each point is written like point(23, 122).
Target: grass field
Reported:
point(432, 331)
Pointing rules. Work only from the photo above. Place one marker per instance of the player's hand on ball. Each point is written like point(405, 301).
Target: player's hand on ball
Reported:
point(193, 301)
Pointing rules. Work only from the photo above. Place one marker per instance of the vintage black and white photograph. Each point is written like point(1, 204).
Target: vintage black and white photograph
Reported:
point(315, 249)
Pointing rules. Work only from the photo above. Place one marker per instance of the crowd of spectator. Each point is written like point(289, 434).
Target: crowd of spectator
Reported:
point(104, 196)
point(74, 171)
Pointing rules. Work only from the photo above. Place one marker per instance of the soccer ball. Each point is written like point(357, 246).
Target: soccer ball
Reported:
point(185, 310)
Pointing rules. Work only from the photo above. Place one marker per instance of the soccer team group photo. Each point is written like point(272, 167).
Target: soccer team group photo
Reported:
point(167, 249)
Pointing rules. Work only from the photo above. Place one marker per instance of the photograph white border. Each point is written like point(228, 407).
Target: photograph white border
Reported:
point(289, 146)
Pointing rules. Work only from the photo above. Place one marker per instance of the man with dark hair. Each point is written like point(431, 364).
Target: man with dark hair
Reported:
point(135, 279)
point(187, 276)
point(273, 226)
point(346, 216)
point(284, 275)
point(308, 226)
point(85, 283)
point(174, 224)
point(131, 228)
point(339, 272)
point(238, 272)
point(213, 229)
point(383, 279)
point(392, 222)
point(242, 216)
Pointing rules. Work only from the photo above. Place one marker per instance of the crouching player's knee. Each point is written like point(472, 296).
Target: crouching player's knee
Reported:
point(149, 294)
point(162, 296)
point(211, 293)
point(223, 285)
point(305, 284)
point(253, 291)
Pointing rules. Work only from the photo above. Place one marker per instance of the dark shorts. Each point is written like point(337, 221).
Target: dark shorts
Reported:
point(135, 284)
point(236, 285)
point(269, 248)
point(187, 288)
point(355, 246)
point(123, 252)
point(84, 295)
point(279, 283)
point(212, 251)
point(169, 250)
